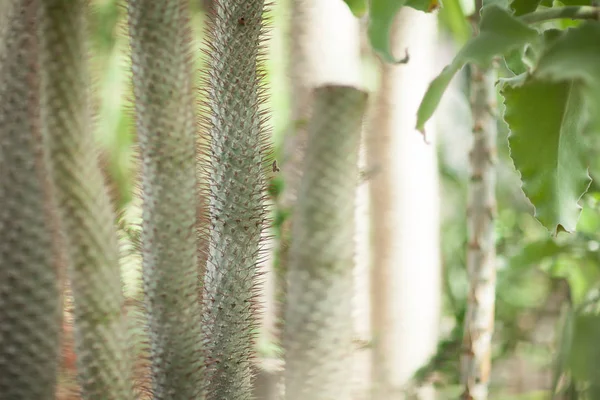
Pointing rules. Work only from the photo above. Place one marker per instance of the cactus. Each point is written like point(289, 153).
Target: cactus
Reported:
point(31, 266)
point(238, 160)
point(318, 333)
point(164, 103)
point(103, 362)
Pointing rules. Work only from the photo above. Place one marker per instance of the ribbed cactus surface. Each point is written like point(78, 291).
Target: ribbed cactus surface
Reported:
point(30, 262)
point(103, 362)
point(236, 189)
point(164, 104)
point(318, 329)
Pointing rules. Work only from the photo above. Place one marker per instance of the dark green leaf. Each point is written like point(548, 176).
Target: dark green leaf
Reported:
point(521, 7)
point(500, 33)
point(546, 122)
point(575, 55)
point(358, 7)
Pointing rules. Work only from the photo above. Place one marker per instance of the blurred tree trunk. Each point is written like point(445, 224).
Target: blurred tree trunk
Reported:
point(405, 248)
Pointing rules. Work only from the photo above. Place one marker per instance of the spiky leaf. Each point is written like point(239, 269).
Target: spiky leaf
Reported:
point(318, 329)
point(164, 103)
point(547, 121)
point(31, 267)
point(500, 33)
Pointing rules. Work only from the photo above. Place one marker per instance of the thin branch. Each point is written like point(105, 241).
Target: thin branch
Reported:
point(572, 12)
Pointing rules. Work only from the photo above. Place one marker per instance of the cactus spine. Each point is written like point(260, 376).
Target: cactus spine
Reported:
point(162, 79)
point(103, 362)
point(238, 160)
point(31, 267)
point(319, 330)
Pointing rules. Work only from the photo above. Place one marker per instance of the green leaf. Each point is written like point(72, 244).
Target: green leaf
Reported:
point(500, 33)
point(453, 17)
point(358, 7)
point(521, 7)
point(381, 18)
point(585, 353)
point(546, 122)
point(575, 55)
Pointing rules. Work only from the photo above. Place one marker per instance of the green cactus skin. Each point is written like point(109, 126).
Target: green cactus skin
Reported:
point(31, 267)
point(166, 126)
point(318, 331)
point(101, 339)
point(238, 158)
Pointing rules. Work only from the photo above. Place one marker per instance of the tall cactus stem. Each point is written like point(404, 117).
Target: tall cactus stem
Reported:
point(31, 266)
point(318, 334)
point(239, 158)
point(164, 104)
point(101, 340)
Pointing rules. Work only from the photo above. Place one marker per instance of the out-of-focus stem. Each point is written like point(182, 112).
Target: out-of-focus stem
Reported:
point(87, 216)
point(318, 333)
point(31, 263)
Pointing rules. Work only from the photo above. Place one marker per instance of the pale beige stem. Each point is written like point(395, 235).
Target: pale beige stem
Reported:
point(481, 254)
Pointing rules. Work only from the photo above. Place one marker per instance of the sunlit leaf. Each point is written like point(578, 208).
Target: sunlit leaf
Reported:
point(453, 16)
point(358, 7)
point(547, 121)
point(500, 33)
point(381, 19)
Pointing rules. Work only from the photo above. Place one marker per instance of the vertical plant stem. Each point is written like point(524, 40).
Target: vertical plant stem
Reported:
point(31, 267)
point(101, 340)
point(481, 252)
point(162, 79)
point(238, 161)
point(318, 332)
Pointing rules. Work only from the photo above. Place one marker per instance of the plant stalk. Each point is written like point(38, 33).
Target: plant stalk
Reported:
point(87, 216)
point(318, 334)
point(239, 160)
point(164, 103)
point(31, 262)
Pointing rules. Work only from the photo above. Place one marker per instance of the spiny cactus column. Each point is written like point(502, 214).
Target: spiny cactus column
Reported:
point(238, 157)
point(31, 268)
point(162, 78)
point(103, 362)
point(481, 252)
point(318, 331)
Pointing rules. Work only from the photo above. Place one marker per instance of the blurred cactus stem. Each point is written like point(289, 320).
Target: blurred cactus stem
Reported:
point(87, 216)
point(31, 266)
point(318, 334)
